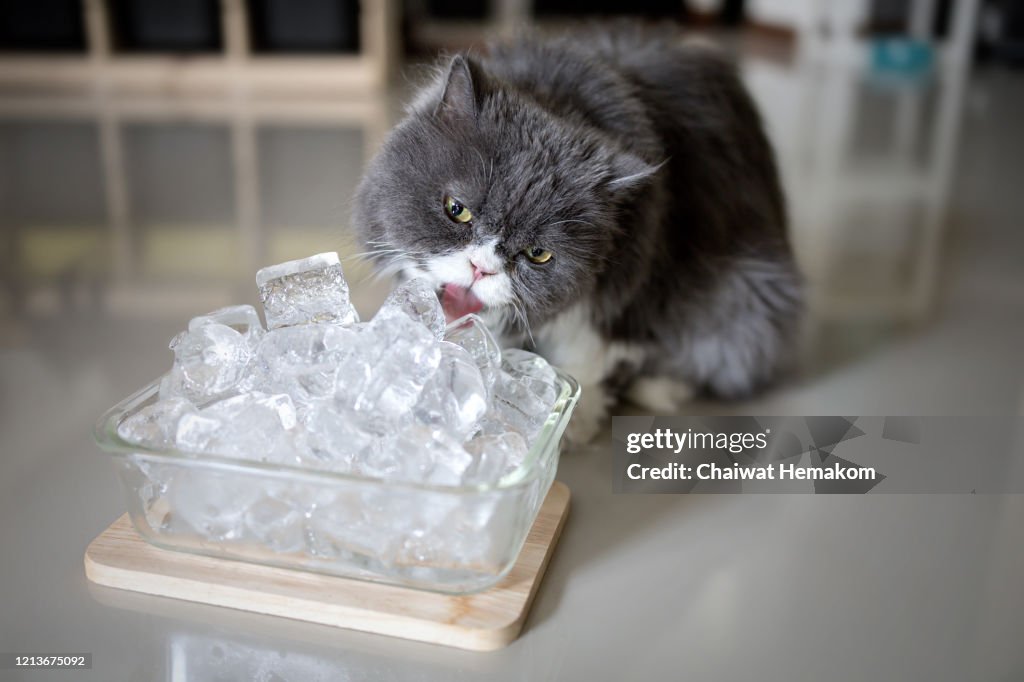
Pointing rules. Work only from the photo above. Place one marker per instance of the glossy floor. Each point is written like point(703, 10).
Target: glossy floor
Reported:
point(123, 217)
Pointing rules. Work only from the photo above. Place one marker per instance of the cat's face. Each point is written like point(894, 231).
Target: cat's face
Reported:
point(503, 208)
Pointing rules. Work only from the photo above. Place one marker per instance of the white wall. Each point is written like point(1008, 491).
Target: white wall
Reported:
point(799, 14)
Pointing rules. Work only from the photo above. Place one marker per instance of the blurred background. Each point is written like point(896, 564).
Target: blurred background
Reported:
point(155, 153)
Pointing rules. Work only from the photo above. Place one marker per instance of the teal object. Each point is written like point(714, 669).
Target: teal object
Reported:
point(901, 56)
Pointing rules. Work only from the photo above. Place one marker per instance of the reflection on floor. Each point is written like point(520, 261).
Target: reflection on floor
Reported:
point(163, 207)
point(903, 199)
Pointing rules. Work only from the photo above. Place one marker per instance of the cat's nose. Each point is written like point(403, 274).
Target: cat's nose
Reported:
point(479, 272)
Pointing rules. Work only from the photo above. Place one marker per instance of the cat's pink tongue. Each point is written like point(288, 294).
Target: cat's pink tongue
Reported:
point(458, 301)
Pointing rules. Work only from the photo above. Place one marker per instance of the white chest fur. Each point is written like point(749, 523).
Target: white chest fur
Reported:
point(571, 342)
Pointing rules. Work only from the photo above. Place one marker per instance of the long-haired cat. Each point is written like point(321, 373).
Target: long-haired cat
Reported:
point(609, 198)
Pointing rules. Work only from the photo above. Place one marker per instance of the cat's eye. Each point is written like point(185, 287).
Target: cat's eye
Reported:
point(454, 209)
point(538, 254)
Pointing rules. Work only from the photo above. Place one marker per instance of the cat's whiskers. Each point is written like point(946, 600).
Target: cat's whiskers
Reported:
point(562, 222)
point(483, 165)
point(370, 255)
point(524, 321)
point(380, 243)
point(381, 249)
point(391, 265)
point(388, 260)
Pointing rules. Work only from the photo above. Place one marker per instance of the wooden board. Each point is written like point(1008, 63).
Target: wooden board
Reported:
point(484, 621)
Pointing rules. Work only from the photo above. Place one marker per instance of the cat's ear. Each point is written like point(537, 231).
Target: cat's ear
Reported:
point(463, 90)
point(629, 171)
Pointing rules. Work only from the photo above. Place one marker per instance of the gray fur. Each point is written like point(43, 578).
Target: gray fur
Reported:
point(640, 162)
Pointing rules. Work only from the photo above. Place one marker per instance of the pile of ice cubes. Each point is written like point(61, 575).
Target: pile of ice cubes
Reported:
point(401, 397)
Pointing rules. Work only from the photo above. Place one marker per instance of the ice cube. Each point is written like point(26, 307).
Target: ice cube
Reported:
point(276, 524)
point(255, 426)
point(210, 361)
point(155, 426)
point(495, 456)
point(525, 392)
point(304, 361)
point(417, 300)
point(210, 502)
point(338, 439)
point(242, 318)
point(196, 432)
point(455, 398)
point(515, 409)
point(307, 291)
point(528, 372)
point(149, 478)
point(524, 363)
point(471, 333)
point(394, 358)
point(427, 455)
point(350, 521)
point(454, 531)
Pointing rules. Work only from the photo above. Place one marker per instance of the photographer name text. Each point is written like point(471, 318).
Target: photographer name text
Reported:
point(781, 471)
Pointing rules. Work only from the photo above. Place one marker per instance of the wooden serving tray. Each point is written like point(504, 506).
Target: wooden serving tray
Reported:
point(483, 621)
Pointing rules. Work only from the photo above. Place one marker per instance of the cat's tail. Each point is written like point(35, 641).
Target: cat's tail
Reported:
point(747, 333)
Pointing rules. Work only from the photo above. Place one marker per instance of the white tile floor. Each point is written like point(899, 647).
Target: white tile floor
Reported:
point(907, 207)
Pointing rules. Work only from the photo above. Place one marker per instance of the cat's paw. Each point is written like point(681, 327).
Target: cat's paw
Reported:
point(589, 416)
point(659, 394)
point(581, 430)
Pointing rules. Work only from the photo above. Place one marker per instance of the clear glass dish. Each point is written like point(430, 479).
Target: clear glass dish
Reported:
point(442, 538)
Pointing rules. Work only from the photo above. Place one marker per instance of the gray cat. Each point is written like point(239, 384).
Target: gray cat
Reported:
point(608, 198)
